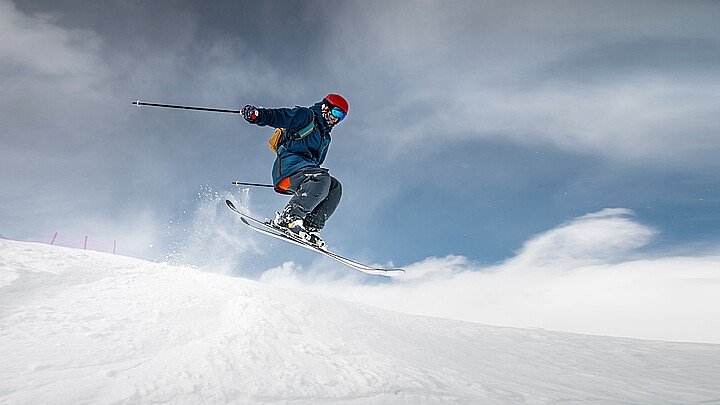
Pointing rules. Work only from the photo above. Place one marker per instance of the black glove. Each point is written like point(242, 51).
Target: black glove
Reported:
point(250, 113)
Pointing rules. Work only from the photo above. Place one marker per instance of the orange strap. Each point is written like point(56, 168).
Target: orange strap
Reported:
point(283, 185)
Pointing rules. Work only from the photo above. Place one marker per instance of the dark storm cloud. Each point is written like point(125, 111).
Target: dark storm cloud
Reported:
point(561, 73)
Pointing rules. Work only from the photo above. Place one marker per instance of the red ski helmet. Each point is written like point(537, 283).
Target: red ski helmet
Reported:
point(338, 101)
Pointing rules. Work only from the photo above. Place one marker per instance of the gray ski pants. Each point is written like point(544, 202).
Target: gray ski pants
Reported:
point(316, 195)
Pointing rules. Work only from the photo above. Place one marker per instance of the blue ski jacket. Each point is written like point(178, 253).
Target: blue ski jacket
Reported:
point(297, 153)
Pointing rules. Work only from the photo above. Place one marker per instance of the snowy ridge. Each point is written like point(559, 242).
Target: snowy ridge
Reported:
point(82, 327)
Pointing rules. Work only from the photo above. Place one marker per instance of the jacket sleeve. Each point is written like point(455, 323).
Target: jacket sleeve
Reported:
point(293, 119)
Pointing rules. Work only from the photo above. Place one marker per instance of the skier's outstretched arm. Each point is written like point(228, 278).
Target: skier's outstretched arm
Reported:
point(291, 118)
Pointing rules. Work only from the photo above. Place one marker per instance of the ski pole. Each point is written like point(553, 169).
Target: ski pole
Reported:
point(240, 183)
point(184, 107)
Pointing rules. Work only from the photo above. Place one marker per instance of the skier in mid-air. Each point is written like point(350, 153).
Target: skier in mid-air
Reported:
point(301, 150)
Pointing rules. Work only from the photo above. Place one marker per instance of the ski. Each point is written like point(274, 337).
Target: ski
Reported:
point(262, 227)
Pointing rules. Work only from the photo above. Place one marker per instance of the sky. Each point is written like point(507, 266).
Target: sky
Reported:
point(475, 127)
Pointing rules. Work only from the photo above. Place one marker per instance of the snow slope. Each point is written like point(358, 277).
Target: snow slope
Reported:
point(82, 327)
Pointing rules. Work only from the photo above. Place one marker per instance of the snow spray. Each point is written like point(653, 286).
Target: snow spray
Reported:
point(209, 238)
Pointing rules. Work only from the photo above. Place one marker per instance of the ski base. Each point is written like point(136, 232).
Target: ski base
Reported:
point(262, 227)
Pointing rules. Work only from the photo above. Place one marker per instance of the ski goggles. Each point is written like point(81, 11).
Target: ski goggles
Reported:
point(338, 113)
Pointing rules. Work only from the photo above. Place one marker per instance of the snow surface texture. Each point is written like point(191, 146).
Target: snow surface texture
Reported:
point(82, 327)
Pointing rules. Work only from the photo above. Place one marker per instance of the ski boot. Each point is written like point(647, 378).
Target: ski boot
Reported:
point(289, 224)
point(314, 237)
point(294, 226)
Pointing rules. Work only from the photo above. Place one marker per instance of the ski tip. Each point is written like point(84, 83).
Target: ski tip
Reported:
point(230, 204)
point(384, 272)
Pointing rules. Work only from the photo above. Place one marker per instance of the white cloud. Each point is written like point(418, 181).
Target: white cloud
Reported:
point(636, 118)
point(47, 69)
point(584, 276)
point(601, 237)
point(36, 43)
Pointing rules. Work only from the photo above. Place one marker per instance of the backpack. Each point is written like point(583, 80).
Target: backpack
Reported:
point(279, 138)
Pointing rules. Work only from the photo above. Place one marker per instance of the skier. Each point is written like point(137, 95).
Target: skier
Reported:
point(301, 150)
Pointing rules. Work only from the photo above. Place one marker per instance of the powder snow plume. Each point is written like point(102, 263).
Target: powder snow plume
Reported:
point(207, 239)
